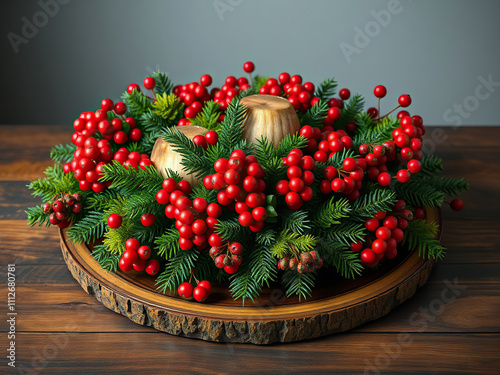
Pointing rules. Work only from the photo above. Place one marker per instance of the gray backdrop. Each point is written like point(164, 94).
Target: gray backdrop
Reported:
point(60, 57)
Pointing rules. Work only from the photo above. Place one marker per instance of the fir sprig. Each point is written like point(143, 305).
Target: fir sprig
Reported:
point(177, 270)
point(137, 102)
point(163, 83)
point(62, 153)
point(209, 116)
point(331, 212)
point(326, 89)
point(316, 115)
point(373, 202)
point(89, 228)
point(421, 235)
point(167, 107)
point(299, 284)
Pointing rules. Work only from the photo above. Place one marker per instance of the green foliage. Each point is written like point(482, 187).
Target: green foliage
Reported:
point(351, 110)
point(203, 192)
point(163, 84)
point(129, 180)
point(299, 284)
point(421, 236)
point(331, 212)
point(167, 107)
point(47, 188)
point(340, 256)
point(37, 216)
point(430, 166)
point(259, 270)
point(295, 221)
point(99, 202)
point(139, 203)
point(316, 115)
point(62, 153)
point(372, 202)
point(137, 102)
point(288, 243)
point(208, 116)
point(231, 129)
point(193, 156)
point(168, 244)
point(259, 81)
point(231, 229)
point(326, 89)
point(177, 270)
point(106, 260)
point(419, 194)
point(370, 131)
point(346, 232)
point(89, 228)
point(447, 185)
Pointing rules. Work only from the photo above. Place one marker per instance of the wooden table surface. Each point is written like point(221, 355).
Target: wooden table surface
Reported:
point(450, 326)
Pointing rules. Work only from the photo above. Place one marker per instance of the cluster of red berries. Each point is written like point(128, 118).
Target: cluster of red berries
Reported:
point(240, 185)
point(200, 293)
point(301, 96)
point(132, 159)
point(194, 219)
point(297, 189)
point(347, 179)
point(137, 257)
point(305, 262)
point(405, 147)
point(60, 209)
point(209, 138)
point(91, 154)
point(227, 256)
point(387, 230)
point(149, 83)
point(324, 143)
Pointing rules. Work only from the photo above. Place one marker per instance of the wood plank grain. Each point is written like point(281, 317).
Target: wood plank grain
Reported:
point(345, 353)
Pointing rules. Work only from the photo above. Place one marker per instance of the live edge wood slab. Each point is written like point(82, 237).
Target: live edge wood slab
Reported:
point(335, 306)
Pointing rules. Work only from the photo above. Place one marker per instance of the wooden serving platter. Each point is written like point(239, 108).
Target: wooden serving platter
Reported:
point(336, 305)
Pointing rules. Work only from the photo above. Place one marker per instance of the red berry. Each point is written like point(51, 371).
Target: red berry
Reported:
point(139, 265)
point(124, 265)
point(380, 91)
point(144, 252)
point(211, 137)
point(107, 105)
point(231, 269)
point(372, 224)
point(200, 293)
point(249, 67)
point(456, 204)
point(338, 185)
point(114, 221)
point(152, 267)
point(185, 290)
point(403, 176)
point(344, 94)
point(214, 210)
point(367, 256)
point(384, 179)
point(292, 198)
point(245, 219)
point(414, 166)
point(404, 100)
point(206, 80)
point(148, 219)
point(379, 246)
point(205, 284)
point(132, 244)
point(149, 83)
point(259, 214)
point(130, 256)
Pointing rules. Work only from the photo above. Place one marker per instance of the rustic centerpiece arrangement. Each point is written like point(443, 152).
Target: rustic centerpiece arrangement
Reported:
point(181, 194)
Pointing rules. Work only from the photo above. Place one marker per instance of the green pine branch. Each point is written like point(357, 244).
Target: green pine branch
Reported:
point(341, 257)
point(231, 129)
point(54, 184)
point(136, 102)
point(351, 110)
point(419, 194)
point(299, 284)
point(316, 114)
point(421, 236)
point(129, 180)
point(209, 116)
point(62, 153)
point(295, 221)
point(163, 84)
point(372, 202)
point(231, 229)
point(448, 185)
point(331, 212)
point(167, 107)
point(177, 270)
point(346, 232)
point(193, 156)
point(287, 240)
point(326, 89)
point(99, 202)
point(168, 244)
point(89, 228)
point(106, 260)
point(37, 216)
point(430, 166)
